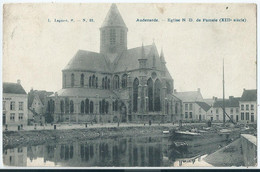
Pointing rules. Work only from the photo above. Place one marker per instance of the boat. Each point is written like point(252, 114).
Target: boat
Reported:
point(187, 133)
point(166, 132)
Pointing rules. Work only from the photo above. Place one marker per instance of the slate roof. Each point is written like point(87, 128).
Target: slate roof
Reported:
point(129, 58)
point(87, 60)
point(249, 95)
point(189, 96)
point(84, 92)
point(42, 94)
point(204, 106)
point(13, 88)
point(233, 102)
point(113, 18)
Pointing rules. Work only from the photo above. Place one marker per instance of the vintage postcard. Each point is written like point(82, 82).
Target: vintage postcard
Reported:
point(129, 85)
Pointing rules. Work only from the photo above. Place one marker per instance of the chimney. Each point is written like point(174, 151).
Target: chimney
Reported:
point(199, 90)
point(244, 89)
point(18, 81)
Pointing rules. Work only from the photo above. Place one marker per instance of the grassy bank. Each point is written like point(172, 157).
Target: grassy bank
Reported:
point(25, 138)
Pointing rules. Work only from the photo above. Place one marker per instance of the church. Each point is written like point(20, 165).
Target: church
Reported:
point(116, 84)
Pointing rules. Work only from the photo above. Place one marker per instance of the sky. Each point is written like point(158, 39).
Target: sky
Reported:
point(35, 50)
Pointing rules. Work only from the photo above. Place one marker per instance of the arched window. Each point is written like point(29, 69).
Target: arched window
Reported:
point(116, 105)
point(67, 105)
point(93, 81)
point(135, 95)
point(96, 82)
point(150, 94)
point(103, 83)
point(82, 107)
point(157, 95)
point(87, 106)
point(71, 106)
point(103, 106)
point(82, 80)
point(107, 106)
point(124, 81)
point(168, 88)
point(100, 107)
point(62, 106)
point(116, 82)
point(72, 80)
point(167, 107)
point(108, 83)
point(91, 107)
point(113, 106)
point(90, 81)
point(52, 106)
point(176, 108)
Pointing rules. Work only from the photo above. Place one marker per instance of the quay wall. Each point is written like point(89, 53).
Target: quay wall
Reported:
point(249, 149)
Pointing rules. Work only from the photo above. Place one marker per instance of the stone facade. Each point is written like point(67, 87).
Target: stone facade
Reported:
point(117, 84)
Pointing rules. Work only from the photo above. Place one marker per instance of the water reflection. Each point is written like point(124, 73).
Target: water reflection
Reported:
point(124, 152)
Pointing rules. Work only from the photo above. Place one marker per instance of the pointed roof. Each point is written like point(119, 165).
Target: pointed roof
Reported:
point(13, 88)
point(249, 95)
point(113, 18)
point(203, 105)
point(189, 96)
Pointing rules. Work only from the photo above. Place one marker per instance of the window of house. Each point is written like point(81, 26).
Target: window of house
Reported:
point(242, 107)
point(20, 150)
point(231, 116)
point(12, 116)
point(247, 107)
point(190, 114)
point(252, 117)
point(190, 106)
point(242, 116)
point(12, 105)
point(231, 110)
point(186, 106)
point(252, 107)
point(20, 117)
point(247, 116)
point(4, 105)
point(21, 105)
point(186, 114)
point(216, 111)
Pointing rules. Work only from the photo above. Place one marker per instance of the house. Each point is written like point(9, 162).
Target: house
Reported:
point(248, 106)
point(193, 106)
point(15, 112)
point(231, 108)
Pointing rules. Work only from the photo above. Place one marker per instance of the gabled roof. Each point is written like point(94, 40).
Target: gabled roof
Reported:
point(42, 94)
point(189, 96)
point(87, 60)
point(232, 102)
point(113, 18)
point(249, 95)
point(204, 106)
point(13, 88)
point(129, 58)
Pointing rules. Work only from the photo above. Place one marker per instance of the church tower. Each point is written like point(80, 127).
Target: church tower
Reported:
point(113, 33)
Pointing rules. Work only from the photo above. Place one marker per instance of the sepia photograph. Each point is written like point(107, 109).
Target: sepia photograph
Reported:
point(129, 85)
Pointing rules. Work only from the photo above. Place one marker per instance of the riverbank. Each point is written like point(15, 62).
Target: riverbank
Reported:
point(37, 137)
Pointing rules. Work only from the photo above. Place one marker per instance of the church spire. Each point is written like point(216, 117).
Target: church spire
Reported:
point(162, 57)
point(142, 60)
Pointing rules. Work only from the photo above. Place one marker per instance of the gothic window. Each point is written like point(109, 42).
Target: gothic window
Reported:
point(67, 105)
point(71, 106)
point(124, 81)
point(62, 106)
point(176, 108)
point(82, 106)
point(100, 107)
point(82, 80)
point(103, 106)
point(103, 83)
point(90, 81)
point(113, 106)
point(112, 36)
point(107, 106)
point(116, 105)
point(116, 82)
point(96, 82)
point(87, 106)
point(135, 94)
point(93, 81)
point(150, 94)
point(72, 80)
point(51, 106)
point(167, 107)
point(157, 95)
point(108, 83)
point(91, 107)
